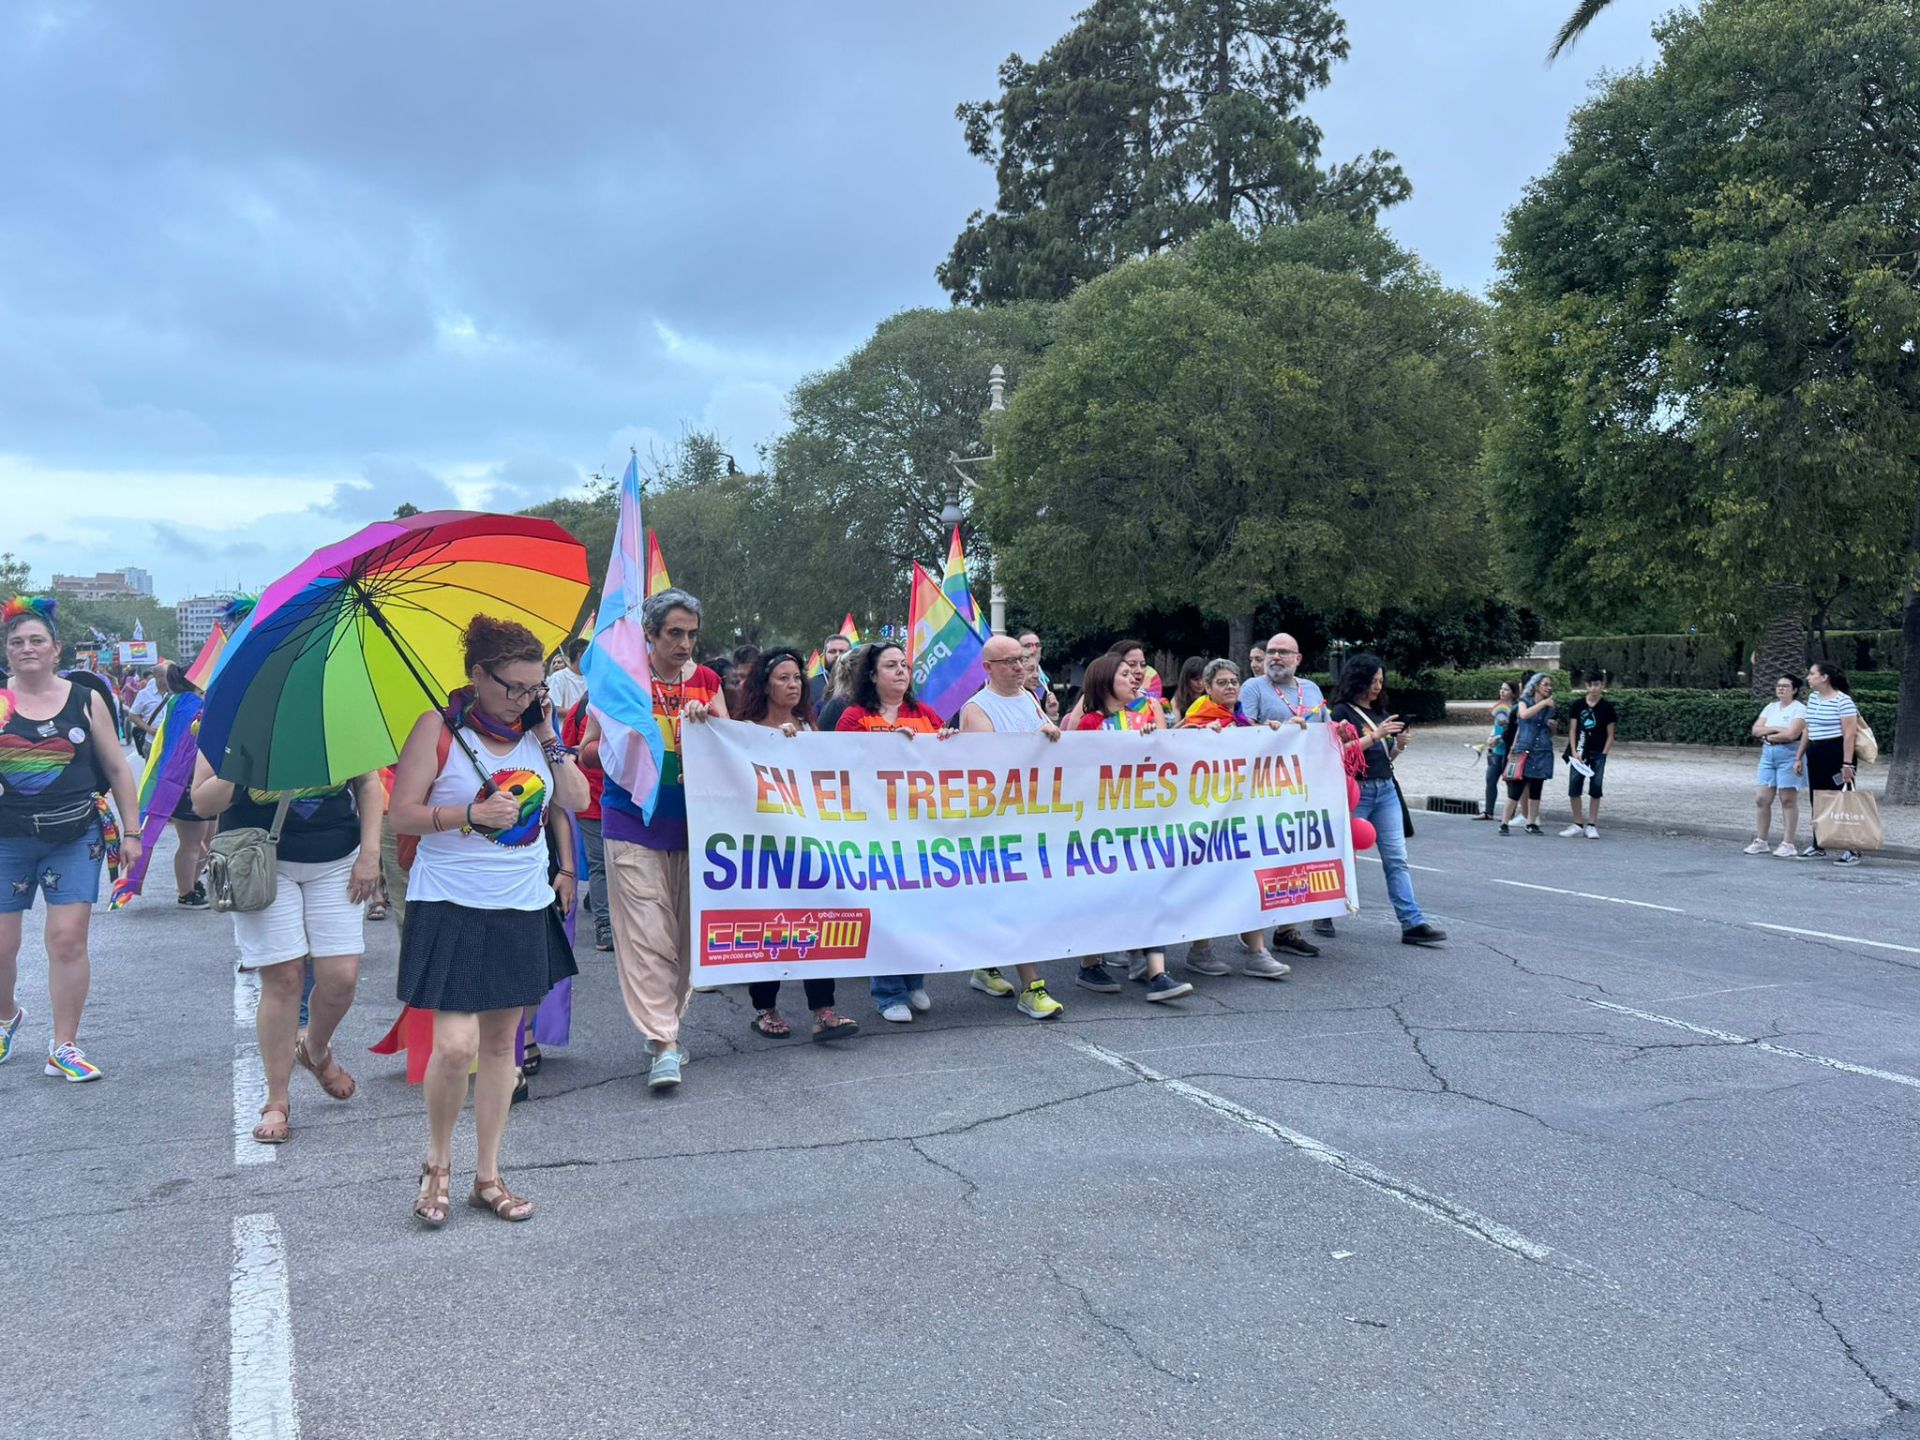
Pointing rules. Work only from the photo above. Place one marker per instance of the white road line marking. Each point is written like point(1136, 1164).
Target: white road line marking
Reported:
point(1731, 990)
point(1758, 1044)
point(249, 1094)
point(1585, 895)
point(1436, 1207)
point(260, 1403)
point(1849, 939)
point(1430, 869)
point(246, 998)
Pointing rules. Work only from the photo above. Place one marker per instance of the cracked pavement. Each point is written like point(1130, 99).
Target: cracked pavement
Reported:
point(969, 1226)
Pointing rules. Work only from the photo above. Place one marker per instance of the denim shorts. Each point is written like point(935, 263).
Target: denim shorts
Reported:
point(68, 873)
point(1776, 769)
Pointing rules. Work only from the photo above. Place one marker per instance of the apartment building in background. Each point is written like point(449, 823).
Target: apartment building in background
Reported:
point(127, 584)
point(197, 616)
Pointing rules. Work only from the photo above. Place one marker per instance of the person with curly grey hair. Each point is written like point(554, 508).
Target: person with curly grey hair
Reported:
point(646, 857)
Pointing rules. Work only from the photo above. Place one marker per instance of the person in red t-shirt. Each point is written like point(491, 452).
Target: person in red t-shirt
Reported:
point(1111, 687)
point(573, 731)
point(883, 700)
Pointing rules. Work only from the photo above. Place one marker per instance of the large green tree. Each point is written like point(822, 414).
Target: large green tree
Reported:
point(1708, 318)
point(1298, 414)
point(861, 477)
point(1149, 121)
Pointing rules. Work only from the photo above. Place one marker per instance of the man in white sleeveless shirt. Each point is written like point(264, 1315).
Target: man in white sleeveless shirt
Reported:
point(1005, 705)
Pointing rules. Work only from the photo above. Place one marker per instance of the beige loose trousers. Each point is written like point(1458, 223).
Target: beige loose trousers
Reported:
point(647, 891)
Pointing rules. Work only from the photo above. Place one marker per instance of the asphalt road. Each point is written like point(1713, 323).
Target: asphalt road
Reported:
point(1596, 1169)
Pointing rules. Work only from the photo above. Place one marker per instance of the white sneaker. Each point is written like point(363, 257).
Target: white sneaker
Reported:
point(1757, 846)
point(1593, 832)
point(1786, 851)
point(920, 1000)
point(898, 1013)
point(1570, 832)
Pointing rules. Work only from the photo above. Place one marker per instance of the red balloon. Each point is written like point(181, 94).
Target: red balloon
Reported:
point(1353, 792)
point(1363, 834)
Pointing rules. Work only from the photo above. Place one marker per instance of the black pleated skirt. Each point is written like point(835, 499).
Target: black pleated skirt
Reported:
point(459, 959)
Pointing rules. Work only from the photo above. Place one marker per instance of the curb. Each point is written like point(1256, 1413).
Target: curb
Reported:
point(1738, 834)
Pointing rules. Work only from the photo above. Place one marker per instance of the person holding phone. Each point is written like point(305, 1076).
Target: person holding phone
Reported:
point(1383, 735)
point(483, 938)
point(1530, 754)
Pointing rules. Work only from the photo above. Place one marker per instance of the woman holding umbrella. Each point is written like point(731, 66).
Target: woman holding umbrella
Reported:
point(483, 938)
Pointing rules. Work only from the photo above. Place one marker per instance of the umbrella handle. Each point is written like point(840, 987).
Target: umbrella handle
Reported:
point(487, 786)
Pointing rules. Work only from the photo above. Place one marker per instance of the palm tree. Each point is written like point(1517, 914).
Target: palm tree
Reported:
point(1584, 15)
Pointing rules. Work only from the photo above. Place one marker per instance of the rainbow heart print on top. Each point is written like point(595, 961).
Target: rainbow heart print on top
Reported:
point(29, 766)
point(531, 791)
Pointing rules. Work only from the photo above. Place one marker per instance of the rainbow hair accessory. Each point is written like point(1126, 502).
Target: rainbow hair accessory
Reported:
point(23, 605)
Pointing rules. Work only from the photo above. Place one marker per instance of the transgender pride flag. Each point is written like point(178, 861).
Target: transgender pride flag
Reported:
point(619, 679)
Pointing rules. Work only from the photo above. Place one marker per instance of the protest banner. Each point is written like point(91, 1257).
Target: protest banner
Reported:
point(877, 854)
point(139, 652)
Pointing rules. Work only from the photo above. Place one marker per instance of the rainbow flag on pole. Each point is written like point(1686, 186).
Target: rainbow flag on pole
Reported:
point(619, 677)
point(850, 630)
point(955, 583)
point(656, 566)
point(168, 776)
point(943, 647)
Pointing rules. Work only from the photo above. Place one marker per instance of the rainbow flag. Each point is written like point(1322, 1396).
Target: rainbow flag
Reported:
point(954, 579)
point(168, 774)
point(656, 566)
point(850, 630)
point(816, 667)
point(619, 677)
point(943, 648)
point(208, 661)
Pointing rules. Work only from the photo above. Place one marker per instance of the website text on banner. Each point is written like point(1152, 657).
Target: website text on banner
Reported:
point(876, 855)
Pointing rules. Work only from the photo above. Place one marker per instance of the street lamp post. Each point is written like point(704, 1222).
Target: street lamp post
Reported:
point(950, 513)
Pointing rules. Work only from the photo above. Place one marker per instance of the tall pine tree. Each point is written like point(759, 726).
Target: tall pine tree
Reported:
point(1147, 122)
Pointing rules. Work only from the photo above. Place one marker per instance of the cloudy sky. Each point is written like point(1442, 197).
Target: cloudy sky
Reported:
point(267, 271)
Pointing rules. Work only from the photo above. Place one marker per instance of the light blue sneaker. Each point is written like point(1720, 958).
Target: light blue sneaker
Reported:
point(8, 1031)
point(664, 1073)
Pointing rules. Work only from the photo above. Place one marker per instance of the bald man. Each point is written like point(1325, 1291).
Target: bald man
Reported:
point(1283, 694)
point(1005, 706)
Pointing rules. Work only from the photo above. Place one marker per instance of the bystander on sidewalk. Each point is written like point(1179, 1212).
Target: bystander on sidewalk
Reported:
point(1688, 789)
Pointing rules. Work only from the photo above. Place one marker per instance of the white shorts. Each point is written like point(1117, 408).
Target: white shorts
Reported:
point(310, 915)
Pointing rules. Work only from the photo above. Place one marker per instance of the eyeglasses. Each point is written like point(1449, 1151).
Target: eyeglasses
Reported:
point(1009, 660)
point(519, 694)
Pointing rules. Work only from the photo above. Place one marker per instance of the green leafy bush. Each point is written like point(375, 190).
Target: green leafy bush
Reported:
point(1484, 684)
point(1416, 702)
point(1862, 651)
point(1696, 717)
point(1647, 661)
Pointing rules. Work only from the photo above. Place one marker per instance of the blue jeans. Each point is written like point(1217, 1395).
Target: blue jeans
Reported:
point(1495, 764)
point(892, 989)
point(1380, 803)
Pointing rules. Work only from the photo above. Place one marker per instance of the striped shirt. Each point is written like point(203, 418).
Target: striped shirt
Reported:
point(1825, 712)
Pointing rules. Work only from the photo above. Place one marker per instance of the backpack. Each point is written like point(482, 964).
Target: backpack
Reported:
point(243, 866)
point(406, 847)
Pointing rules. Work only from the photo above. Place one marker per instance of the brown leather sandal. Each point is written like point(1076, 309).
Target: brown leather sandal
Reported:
point(332, 1075)
point(493, 1195)
point(274, 1132)
point(434, 1203)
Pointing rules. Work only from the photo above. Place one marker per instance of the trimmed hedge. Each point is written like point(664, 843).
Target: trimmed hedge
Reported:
point(1412, 701)
point(1866, 651)
point(1647, 661)
point(1693, 717)
point(1483, 684)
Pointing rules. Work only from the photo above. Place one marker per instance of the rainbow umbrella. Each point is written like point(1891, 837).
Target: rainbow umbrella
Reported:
point(324, 679)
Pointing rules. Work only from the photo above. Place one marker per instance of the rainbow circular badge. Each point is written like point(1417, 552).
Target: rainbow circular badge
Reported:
point(531, 791)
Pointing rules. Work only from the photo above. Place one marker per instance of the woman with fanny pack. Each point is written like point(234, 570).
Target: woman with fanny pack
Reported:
point(54, 828)
point(327, 867)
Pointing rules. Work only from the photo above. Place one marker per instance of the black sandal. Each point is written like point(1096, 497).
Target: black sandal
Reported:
point(520, 1090)
point(829, 1024)
point(759, 1025)
point(530, 1061)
